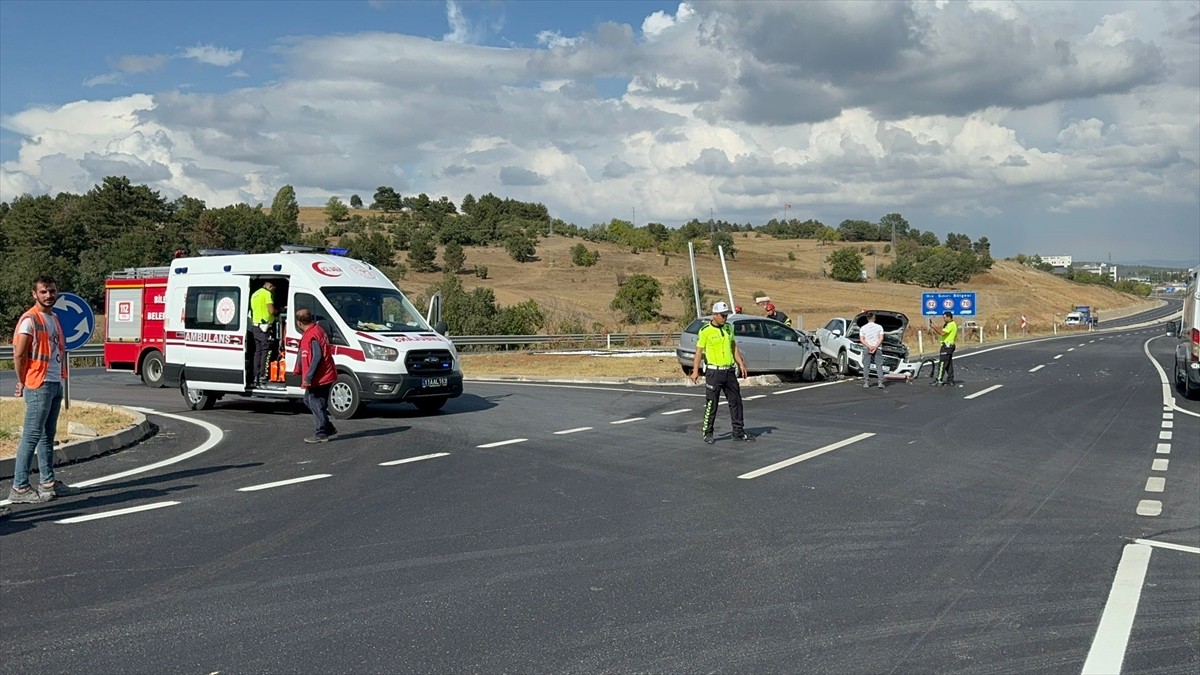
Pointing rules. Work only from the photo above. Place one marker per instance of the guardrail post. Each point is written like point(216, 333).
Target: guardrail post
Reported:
point(920, 343)
point(1006, 332)
point(608, 337)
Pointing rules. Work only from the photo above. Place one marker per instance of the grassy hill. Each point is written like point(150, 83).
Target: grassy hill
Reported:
point(761, 267)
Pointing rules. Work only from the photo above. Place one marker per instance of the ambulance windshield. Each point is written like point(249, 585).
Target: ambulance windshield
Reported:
point(375, 310)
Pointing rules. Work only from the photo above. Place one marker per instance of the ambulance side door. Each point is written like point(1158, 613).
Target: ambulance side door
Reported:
point(215, 342)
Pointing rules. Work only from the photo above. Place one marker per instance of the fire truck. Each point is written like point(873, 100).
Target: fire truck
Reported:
point(135, 300)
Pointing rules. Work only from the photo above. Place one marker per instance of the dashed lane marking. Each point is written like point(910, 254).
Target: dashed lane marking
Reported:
point(1156, 484)
point(977, 394)
point(1037, 368)
point(627, 421)
point(1168, 545)
point(1160, 465)
point(806, 456)
point(406, 460)
point(1164, 435)
point(1058, 357)
point(281, 483)
point(751, 398)
point(1081, 344)
point(1168, 416)
point(1149, 507)
point(1071, 349)
point(1163, 449)
point(676, 412)
point(576, 430)
point(1112, 635)
point(1167, 424)
point(500, 443)
point(117, 512)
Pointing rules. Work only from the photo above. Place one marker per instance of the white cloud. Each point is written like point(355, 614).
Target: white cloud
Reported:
point(660, 21)
point(461, 29)
point(107, 78)
point(212, 55)
point(140, 64)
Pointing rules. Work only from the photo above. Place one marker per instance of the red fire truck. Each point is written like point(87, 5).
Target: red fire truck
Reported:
point(135, 299)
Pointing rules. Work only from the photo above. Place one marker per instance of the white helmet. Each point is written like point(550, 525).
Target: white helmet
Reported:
point(720, 308)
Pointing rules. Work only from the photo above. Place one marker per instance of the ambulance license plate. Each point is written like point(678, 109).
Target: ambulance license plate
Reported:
point(428, 382)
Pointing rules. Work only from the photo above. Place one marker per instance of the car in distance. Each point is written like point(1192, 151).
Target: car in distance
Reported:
point(768, 347)
point(838, 340)
point(1187, 343)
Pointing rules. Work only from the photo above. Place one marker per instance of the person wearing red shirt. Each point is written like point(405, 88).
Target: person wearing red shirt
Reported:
point(317, 374)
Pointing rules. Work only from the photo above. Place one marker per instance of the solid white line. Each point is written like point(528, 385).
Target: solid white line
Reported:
point(977, 394)
point(1163, 449)
point(1163, 544)
point(566, 385)
point(394, 462)
point(627, 421)
point(576, 430)
point(117, 512)
point(1156, 484)
point(1168, 424)
point(1164, 435)
point(290, 481)
point(1149, 507)
point(808, 455)
point(500, 443)
point(1168, 397)
point(1112, 635)
point(751, 398)
point(1058, 357)
point(1160, 465)
point(1037, 368)
point(215, 435)
point(806, 388)
point(676, 412)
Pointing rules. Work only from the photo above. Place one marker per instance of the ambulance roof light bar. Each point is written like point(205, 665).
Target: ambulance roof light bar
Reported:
point(301, 248)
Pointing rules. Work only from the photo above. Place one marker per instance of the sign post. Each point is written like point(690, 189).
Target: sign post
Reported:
point(78, 322)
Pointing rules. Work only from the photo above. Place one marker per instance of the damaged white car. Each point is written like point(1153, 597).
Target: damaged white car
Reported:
point(838, 340)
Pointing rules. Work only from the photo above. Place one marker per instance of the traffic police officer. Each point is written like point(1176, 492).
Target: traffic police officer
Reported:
point(949, 334)
point(262, 327)
point(716, 346)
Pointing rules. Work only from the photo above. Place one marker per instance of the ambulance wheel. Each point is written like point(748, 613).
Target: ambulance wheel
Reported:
point(430, 405)
point(197, 399)
point(153, 370)
point(344, 397)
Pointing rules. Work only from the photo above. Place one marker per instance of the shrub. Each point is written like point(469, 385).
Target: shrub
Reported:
point(638, 298)
point(845, 265)
point(481, 271)
point(581, 256)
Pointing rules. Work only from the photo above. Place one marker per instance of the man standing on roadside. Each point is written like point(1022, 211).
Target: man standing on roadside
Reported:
point(716, 346)
point(871, 338)
point(262, 324)
point(40, 363)
point(317, 374)
point(949, 335)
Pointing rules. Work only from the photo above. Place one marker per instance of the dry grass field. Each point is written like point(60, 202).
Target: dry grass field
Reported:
point(761, 267)
point(12, 414)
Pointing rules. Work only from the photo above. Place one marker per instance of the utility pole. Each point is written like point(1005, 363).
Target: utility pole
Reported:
point(635, 216)
point(711, 226)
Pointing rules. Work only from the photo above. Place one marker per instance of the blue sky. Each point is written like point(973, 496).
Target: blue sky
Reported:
point(1046, 126)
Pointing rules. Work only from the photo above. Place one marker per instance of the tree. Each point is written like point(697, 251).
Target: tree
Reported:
point(453, 257)
point(422, 252)
point(682, 288)
point(581, 256)
point(355, 202)
point(724, 240)
point(638, 298)
point(373, 247)
point(468, 204)
point(845, 265)
point(520, 246)
point(858, 230)
point(387, 199)
point(893, 227)
point(284, 209)
point(336, 211)
point(827, 235)
point(940, 266)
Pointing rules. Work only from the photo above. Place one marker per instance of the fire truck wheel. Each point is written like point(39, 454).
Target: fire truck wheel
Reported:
point(153, 370)
point(197, 399)
point(344, 397)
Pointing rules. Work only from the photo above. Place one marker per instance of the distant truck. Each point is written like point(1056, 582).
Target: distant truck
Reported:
point(1081, 316)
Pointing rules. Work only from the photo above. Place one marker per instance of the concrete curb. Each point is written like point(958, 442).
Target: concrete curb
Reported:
point(76, 451)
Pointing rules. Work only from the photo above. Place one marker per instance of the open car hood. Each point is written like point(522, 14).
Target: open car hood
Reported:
point(894, 323)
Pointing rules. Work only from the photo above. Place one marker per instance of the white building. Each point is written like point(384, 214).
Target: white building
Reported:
point(1057, 260)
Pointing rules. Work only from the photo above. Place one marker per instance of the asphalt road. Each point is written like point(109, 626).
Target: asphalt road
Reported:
point(985, 528)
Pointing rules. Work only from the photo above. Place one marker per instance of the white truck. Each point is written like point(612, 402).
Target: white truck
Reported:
point(383, 349)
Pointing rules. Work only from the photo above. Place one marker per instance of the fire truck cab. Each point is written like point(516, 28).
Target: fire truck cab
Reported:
point(383, 349)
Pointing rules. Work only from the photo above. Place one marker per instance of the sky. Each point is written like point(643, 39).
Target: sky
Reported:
point(1057, 128)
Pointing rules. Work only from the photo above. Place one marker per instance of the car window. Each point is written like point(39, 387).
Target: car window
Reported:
point(695, 326)
point(778, 331)
point(833, 325)
point(748, 329)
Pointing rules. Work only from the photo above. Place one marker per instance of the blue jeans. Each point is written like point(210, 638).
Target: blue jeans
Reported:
point(41, 420)
point(317, 400)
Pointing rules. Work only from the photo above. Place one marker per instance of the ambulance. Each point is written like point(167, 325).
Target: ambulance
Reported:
point(383, 349)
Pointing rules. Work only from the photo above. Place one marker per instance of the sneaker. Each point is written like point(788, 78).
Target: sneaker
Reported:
point(27, 496)
point(866, 385)
point(743, 437)
point(935, 383)
point(331, 431)
point(881, 385)
point(709, 439)
point(57, 489)
point(319, 438)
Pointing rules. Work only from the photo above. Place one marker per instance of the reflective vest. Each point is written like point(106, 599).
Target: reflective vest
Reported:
point(39, 354)
point(326, 373)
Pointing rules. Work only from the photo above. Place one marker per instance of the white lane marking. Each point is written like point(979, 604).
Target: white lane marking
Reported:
point(1164, 544)
point(1168, 397)
point(1156, 484)
point(1163, 449)
point(627, 421)
point(1112, 635)
point(406, 460)
point(1037, 368)
point(977, 394)
point(500, 443)
point(280, 483)
point(751, 398)
point(215, 435)
point(1160, 465)
point(1168, 424)
point(1168, 416)
point(1164, 435)
point(1081, 344)
point(566, 385)
point(811, 386)
point(117, 512)
point(1149, 507)
point(576, 430)
point(676, 412)
point(1071, 349)
point(1091, 341)
point(808, 455)
point(1058, 357)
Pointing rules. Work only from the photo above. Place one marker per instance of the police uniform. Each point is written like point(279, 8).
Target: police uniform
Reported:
point(261, 327)
point(720, 374)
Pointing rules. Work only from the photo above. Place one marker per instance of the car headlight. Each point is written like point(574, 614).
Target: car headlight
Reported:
point(379, 352)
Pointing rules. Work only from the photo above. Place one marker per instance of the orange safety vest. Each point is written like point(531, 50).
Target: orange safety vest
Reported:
point(39, 358)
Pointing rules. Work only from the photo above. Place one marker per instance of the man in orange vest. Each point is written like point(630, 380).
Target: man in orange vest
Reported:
point(317, 374)
point(40, 362)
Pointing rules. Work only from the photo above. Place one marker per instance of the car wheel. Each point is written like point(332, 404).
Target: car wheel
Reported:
point(344, 397)
point(430, 405)
point(844, 362)
point(809, 372)
point(153, 370)
point(197, 399)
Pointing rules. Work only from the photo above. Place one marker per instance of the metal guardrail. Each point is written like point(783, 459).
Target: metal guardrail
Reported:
point(608, 340)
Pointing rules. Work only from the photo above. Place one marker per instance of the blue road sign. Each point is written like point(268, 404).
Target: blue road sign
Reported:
point(77, 319)
point(959, 304)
